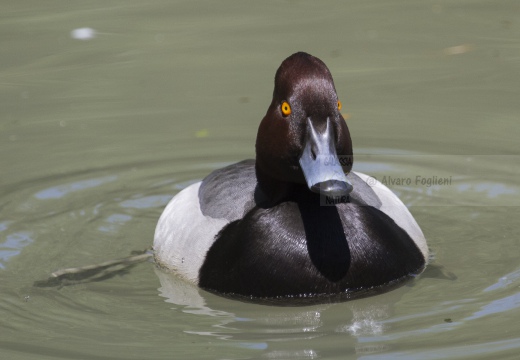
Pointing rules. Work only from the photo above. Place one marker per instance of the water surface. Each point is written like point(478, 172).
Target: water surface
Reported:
point(96, 135)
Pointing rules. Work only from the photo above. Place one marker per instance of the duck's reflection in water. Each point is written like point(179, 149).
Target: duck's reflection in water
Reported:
point(352, 327)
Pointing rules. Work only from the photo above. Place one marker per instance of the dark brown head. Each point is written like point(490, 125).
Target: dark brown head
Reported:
point(303, 137)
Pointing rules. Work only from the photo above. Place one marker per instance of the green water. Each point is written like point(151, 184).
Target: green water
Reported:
point(97, 135)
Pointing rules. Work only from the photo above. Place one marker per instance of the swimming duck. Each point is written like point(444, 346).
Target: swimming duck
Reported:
point(296, 223)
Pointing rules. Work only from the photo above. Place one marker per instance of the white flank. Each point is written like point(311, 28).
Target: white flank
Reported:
point(184, 235)
point(397, 211)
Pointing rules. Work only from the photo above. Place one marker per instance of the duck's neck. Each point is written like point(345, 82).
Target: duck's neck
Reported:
point(271, 191)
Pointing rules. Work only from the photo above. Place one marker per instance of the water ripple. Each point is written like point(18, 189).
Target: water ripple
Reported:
point(57, 192)
point(13, 245)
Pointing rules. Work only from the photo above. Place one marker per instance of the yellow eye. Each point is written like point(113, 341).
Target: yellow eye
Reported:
point(286, 108)
point(339, 105)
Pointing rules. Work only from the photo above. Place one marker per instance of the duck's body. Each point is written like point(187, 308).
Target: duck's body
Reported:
point(268, 229)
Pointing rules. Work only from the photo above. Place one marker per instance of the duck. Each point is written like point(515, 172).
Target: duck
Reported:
point(295, 224)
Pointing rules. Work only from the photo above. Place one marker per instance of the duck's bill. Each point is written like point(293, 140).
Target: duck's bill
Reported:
point(321, 165)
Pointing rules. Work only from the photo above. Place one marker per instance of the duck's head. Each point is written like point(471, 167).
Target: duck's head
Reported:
point(303, 138)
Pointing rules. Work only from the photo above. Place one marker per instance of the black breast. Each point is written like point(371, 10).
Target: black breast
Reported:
point(299, 248)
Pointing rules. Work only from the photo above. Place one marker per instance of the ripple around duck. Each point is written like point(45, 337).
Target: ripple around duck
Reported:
point(445, 180)
point(13, 245)
point(105, 200)
point(93, 215)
